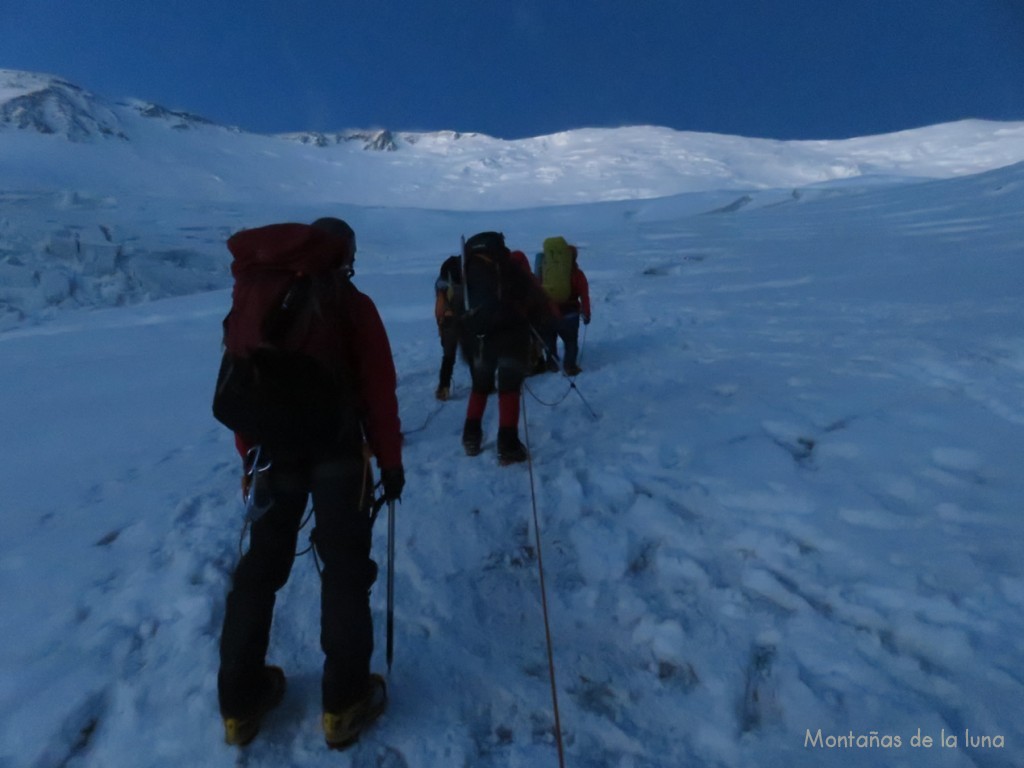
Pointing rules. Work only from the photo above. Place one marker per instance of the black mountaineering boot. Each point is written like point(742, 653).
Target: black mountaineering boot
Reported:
point(510, 450)
point(472, 437)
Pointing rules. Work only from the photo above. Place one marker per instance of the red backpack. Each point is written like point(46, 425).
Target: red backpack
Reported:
point(284, 382)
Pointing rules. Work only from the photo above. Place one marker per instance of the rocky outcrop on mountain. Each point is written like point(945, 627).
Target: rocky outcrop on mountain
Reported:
point(380, 141)
point(180, 121)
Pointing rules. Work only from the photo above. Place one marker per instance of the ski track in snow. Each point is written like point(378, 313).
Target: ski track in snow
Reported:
point(771, 525)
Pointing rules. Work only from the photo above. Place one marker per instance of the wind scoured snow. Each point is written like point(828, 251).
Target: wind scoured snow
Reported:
point(779, 516)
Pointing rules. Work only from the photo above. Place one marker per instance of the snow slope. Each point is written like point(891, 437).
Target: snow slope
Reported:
point(784, 497)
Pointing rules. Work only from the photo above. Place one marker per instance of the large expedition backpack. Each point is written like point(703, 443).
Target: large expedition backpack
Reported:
point(283, 383)
point(485, 260)
point(556, 269)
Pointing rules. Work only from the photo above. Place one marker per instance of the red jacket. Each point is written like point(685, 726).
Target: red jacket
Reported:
point(519, 259)
point(580, 300)
point(377, 381)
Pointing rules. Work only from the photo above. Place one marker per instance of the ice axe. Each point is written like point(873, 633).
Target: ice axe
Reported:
point(391, 585)
point(390, 632)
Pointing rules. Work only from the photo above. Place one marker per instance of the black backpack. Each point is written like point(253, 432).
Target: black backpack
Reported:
point(485, 261)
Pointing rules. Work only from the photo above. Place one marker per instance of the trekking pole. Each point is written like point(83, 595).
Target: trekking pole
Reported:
point(390, 652)
point(462, 266)
point(544, 345)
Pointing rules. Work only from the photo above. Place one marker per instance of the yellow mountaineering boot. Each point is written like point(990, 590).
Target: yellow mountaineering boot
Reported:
point(239, 731)
point(342, 728)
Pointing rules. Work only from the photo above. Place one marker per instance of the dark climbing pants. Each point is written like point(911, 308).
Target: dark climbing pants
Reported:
point(566, 328)
point(341, 489)
point(500, 357)
point(449, 332)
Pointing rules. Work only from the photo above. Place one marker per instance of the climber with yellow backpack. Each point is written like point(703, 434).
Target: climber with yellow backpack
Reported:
point(566, 285)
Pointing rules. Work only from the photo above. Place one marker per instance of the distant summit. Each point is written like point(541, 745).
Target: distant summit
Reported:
point(50, 105)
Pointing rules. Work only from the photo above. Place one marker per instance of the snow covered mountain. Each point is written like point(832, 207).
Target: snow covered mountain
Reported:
point(780, 508)
point(49, 105)
point(107, 201)
point(447, 169)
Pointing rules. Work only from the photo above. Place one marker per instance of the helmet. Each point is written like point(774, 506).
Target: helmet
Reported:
point(342, 230)
point(487, 242)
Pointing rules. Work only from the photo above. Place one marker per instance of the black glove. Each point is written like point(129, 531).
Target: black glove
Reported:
point(586, 319)
point(393, 481)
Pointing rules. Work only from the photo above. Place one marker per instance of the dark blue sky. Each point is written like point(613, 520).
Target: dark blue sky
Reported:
point(786, 69)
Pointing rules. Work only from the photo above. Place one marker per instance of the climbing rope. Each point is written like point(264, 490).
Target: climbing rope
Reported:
point(570, 379)
point(426, 422)
point(543, 595)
